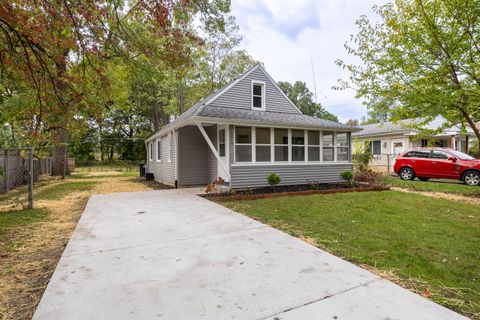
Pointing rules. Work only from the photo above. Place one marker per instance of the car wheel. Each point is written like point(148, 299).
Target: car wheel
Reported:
point(471, 178)
point(423, 178)
point(406, 174)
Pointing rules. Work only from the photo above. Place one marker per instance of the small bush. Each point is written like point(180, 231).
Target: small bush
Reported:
point(273, 179)
point(347, 176)
point(368, 176)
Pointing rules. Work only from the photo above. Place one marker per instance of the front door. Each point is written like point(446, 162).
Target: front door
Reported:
point(223, 151)
point(397, 148)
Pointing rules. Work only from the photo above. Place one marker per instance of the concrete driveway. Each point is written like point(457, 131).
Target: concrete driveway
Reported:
point(173, 255)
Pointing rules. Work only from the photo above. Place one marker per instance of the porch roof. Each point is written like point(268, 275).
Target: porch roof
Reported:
point(200, 112)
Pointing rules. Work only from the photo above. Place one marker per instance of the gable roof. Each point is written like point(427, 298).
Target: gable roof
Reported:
point(204, 111)
point(405, 127)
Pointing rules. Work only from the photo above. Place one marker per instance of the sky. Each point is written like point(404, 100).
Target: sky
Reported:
point(288, 35)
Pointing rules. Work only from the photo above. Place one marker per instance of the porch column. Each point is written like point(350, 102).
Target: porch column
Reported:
point(466, 144)
point(214, 150)
point(453, 143)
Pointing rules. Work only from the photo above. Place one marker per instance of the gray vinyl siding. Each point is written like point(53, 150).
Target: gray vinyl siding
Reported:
point(212, 160)
point(240, 95)
point(254, 176)
point(193, 168)
point(164, 172)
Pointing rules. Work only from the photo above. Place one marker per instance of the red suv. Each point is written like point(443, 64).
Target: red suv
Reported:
point(426, 163)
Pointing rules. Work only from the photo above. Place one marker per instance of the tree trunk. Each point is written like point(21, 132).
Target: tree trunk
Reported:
point(59, 154)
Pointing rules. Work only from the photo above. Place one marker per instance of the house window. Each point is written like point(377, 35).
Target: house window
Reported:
point(243, 144)
point(424, 143)
point(298, 145)
point(150, 151)
point(159, 150)
point(328, 148)
point(281, 144)
point(375, 147)
point(313, 145)
point(342, 146)
point(258, 95)
point(171, 144)
point(262, 145)
point(221, 142)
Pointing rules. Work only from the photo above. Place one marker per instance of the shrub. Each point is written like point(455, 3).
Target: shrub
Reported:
point(361, 156)
point(368, 176)
point(273, 179)
point(347, 176)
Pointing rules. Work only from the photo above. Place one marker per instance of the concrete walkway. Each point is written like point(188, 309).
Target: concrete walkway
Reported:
point(173, 255)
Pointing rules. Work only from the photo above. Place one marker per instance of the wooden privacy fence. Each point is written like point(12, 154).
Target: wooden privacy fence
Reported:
point(15, 168)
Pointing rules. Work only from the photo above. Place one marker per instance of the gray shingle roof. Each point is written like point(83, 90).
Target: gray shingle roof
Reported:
point(387, 127)
point(273, 118)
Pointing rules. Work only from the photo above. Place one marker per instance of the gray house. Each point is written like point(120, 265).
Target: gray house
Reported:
point(242, 133)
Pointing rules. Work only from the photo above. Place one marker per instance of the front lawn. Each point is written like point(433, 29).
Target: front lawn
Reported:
point(434, 185)
point(430, 245)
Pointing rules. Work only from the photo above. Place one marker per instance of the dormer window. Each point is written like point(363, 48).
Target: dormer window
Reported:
point(258, 95)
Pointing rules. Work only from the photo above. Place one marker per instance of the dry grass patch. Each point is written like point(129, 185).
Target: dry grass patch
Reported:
point(33, 249)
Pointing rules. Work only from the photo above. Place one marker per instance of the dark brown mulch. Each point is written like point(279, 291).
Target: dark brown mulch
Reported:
point(299, 190)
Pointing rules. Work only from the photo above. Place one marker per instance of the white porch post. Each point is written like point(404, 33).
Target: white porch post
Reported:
point(212, 147)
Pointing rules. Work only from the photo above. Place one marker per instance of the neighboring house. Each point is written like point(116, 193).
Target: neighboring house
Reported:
point(387, 139)
point(242, 133)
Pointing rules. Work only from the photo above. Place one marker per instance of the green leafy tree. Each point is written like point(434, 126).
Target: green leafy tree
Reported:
point(302, 97)
point(422, 58)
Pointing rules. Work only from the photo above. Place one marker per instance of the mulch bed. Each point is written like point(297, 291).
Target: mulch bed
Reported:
point(300, 190)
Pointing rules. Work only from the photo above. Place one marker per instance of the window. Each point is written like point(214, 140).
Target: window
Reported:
point(243, 144)
point(440, 155)
point(375, 147)
point(159, 150)
point(441, 143)
point(262, 145)
point(150, 151)
point(342, 146)
point(298, 145)
point(424, 143)
point(328, 148)
point(258, 95)
point(418, 154)
point(221, 142)
point(171, 144)
point(281, 144)
point(313, 145)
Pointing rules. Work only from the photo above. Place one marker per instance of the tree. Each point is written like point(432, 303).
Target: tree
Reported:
point(55, 47)
point(421, 59)
point(302, 97)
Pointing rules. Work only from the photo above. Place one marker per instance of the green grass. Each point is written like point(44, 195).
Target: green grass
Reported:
point(418, 238)
point(60, 190)
point(11, 220)
point(435, 185)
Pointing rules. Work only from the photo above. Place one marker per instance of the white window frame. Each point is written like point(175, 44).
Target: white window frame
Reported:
point(262, 84)
point(298, 146)
point(255, 144)
point(235, 144)
point(159, 150)
point(220, 128)
point(150, 151)
point(338, 146)
point(333, 147)
point(170, 144)
point(288, 145)
point(308, 145)
point(371, 147)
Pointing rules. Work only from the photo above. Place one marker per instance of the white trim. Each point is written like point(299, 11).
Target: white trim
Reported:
point(169, 147)
point(281, 91)
point(150, 152)
point(263, 96)
point(158, 160)
point(212, 148)
point(219, 93)
point(296, 163)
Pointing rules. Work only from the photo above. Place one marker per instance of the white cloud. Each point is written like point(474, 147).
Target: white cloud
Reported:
point(287, 35)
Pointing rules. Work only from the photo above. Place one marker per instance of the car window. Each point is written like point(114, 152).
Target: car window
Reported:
point(440, 155)
point(418, 154)
point(462, 155)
